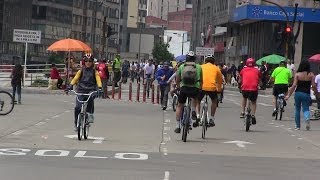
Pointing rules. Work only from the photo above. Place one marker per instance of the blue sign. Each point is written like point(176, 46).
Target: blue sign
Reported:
point(257, 12)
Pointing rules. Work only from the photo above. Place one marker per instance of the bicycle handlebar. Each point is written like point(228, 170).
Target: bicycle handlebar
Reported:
point(83, 94)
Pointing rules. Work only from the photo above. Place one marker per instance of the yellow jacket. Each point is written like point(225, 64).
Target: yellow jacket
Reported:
point(212, 77)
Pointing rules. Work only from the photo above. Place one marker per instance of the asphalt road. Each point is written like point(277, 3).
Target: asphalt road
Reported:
point(135, 140)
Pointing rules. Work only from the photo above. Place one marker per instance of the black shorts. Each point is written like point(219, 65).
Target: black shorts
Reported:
point(212, 94)
point(251, 95)
point(280, 89)
point(186, 92)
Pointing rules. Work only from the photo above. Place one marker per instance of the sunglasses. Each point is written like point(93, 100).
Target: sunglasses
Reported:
point(88, 61)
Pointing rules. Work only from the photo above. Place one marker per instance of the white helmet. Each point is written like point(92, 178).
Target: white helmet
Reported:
point(190, 56)
point(211, 56)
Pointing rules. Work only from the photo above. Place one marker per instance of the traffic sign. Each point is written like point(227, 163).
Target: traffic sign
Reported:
point(26, 36)
point(203, 51)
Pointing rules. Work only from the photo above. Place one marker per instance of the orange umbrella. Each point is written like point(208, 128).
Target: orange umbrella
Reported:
point(69, 45)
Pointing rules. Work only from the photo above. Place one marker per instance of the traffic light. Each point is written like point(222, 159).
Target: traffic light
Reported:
point(288, 30)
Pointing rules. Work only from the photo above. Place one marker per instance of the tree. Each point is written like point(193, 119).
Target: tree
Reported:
point(160, 52)
point(56, 58)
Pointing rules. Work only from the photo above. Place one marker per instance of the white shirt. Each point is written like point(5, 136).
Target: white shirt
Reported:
point(317, 81)
point(149, 69)
point(291, 67)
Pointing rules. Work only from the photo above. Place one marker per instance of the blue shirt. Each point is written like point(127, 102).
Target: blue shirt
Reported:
point(161, 72)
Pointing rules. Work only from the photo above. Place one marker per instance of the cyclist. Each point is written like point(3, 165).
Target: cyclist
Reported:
point(212, 83)
point(149, 69)
point(172, 79)
point(87, 80)
point(249, 79)
point(281, 77)
point(189, 80)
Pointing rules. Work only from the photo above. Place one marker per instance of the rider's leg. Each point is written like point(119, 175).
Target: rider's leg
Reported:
point(182, 98)
point(243, 106)
point(77, 110)
point(19, 93)
point(166, 92)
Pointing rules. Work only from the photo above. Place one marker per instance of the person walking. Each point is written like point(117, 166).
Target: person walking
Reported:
point(102, 69)
point(163, 76)
point(54, 74)
point(303, 80)
point(16, 82)
point(116, 68)
point(317, 94)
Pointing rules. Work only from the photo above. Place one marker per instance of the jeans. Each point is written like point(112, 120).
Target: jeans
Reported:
point(77, 109)
point(303, 99)
point(16, 89)
point(164, 91)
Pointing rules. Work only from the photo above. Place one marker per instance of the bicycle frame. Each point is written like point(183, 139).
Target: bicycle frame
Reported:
point(205, 107)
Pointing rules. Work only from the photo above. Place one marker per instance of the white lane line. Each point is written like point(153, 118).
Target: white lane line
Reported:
point(67, 111)
point(56, 116)
point(165, 150)
point(40, 123)
point(264, 95)
point(165, 154)
point(277, 126)
point(98, 140)
point(165, 133)
point(267, 105)
point(163, 143)
point(293, 135)
point(167, 139)
point(167, 120)
point(18, 132)
point(166, 175)
point(167, 128)
point(300, 138)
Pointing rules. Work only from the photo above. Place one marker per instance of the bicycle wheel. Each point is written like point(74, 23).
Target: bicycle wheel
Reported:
point(174, 103)
point(86, 128)
point(186, 118)
point(248, 122)
point(80, 126)
point(204, 122)
point(6, 103)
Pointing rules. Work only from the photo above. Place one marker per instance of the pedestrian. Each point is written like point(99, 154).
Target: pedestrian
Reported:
point(104, 75)
point(302, 82)
point(317, 94)
point(132, 71)
point(16, 82)
point(163, 76)
point(116, 68)
point(264, 73)
point(54, 75)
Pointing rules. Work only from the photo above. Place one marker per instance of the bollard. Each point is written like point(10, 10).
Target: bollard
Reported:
point(138, 92)
point(158, 94)
point(152, 93)
point(119, 93)
point(144, 92)
point(113, 91)
point(105, 91)
point(130, 91)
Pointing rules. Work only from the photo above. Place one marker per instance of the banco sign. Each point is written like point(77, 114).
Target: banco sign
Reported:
point(26, 36)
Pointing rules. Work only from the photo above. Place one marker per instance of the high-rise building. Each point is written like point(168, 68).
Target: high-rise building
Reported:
point(160, 9)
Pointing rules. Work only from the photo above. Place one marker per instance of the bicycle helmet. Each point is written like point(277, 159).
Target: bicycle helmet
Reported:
point(250, 62)
point(190, 56)
point(210, 56)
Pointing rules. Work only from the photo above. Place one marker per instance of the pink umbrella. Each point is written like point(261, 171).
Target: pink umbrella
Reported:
point(315, 58)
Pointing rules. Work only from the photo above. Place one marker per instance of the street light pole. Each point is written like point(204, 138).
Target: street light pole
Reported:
point(139, 55)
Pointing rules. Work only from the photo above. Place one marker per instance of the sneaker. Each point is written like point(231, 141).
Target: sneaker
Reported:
point(296, 128)
point(253, 119)
point(284, 103)
point(211, 123)
point(177, 130)
point(164, 107)
point(308, 125)
point(196, 123)
point(193, 115)
point(242, 115)
point(274, 113)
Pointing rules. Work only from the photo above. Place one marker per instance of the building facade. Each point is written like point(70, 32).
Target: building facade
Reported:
point(160, 9)
point(254, 28)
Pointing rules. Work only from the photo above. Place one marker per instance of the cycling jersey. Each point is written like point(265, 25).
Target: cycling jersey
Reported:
point(250, 78)
point(211, 77)
point(281, 75)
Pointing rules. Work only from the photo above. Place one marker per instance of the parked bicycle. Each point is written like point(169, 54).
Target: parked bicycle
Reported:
point(83, 122)
point(279, 106)
point(6, 103)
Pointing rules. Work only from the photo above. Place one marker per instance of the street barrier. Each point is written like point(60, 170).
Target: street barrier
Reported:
point(138, 92)
point(144, 92)
point(130, 91)
point(113, 91)
point(152, 93)
point(158, 94)
point(120, 91)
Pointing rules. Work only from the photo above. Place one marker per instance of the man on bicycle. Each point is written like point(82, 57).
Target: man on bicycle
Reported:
point(149, 70)
point(281, 77)
point(163, 75)
point(249, 79)
point(87, 80)
point(212, 84)
point(189, 80)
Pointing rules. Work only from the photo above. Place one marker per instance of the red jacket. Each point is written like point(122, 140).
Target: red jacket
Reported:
point(54, 74)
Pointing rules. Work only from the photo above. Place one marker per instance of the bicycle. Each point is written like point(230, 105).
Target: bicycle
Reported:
point(204, 117)
point(185, 119)
point(82, 122)
point(175, 100)
point(279, 106)
point(248, 116)
point(6, 103)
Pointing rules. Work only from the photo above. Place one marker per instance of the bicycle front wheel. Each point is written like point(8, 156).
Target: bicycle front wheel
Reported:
point(86, 129)
point(80, 125)
point(248, 123)
point(6, 103)
point(204, 122)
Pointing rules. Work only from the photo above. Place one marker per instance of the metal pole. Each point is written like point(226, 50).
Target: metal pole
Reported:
point(182, 43)
point(25, 64)
point(119, 25)
point(139, 58)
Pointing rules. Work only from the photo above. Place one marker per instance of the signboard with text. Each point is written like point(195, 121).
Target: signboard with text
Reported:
point(203, 51)
point(26, 36)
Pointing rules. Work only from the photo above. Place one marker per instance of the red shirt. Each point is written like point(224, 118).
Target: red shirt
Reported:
point(54, 74)
point(250, 78)
point(102, 69)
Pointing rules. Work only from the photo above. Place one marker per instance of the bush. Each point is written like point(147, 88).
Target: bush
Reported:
point(40, 82)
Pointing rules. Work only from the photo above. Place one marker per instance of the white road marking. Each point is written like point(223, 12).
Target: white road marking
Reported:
point(163, 143)
point(271, 123)
point(277, 126)
point(165, 150)
point(40, 123)
point(18, 132)
point(167, 120)
point(267, 105)
point(167, 138)
point(56, 116)
point(240, 144)
point(300, 138)
point(264, 95)
point(97, 140)
point(167, 128)
point(165, 154)
point(293, 135)
point(67, 111)
point(165, 133)
point(166, 175)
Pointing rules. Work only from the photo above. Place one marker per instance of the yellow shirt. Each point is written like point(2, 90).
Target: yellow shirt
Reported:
point(212, 77)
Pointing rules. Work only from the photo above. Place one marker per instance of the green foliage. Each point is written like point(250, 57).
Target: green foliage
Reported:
point(160, 52)
point(56, 58)
point(40, 82)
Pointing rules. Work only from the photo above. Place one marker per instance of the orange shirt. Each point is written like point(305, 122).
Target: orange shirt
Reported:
point(211, 77)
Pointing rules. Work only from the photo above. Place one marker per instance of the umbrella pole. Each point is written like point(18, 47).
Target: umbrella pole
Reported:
point(68, 66)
